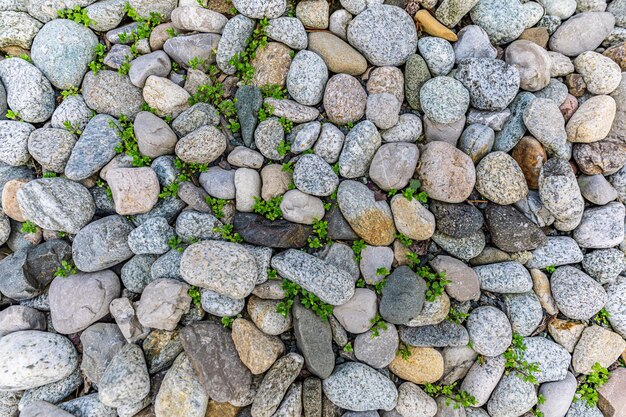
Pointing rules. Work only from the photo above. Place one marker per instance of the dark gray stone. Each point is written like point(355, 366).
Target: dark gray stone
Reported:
point(100, 342)
point(125, 380)
point(314, 339)
point(196, 116)
point(456, 220)
point(403, 296)
point(442, 334)
point(511, 231)
point(248, 104)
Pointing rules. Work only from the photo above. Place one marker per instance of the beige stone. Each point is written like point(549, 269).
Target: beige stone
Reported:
point(541, 287)
point(423, 366)
point(134, 190)
point(339, 56)
point(216, 409)
point(433, 312)
point(565, 332)
point(10, 204)
point(592, 121)
point(612, 400)
point(464, 285)
point(271, 65)
point(597, 344)
point(263, 314)
point(313, 13)
point(166, 97)
point(427, 23)
point(275, 181)
point(411, 218)
point(256, 350)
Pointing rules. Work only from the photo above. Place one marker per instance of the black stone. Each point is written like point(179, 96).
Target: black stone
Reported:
point(338, 226)
point(456, 220)
point(511, 231)
point(258, 230)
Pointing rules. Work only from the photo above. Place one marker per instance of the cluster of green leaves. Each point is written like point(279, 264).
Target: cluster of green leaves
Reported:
point(67, 268)
point(288, 167)
point(378, 286)
point(217, 205)
point(28, 227)
point(107, 189)
point(49, 174)
point(307, 299)
point(274, 91)
point(75, 130)
point(270, 209)
point(227, 321)
point(515, 361)
point(461, 398)
point(348, 347)
point(286, 123)
point(456, 316)
point(272, 274)
point(186, 172)
point(411, 192)
point(404, 351)
point(404, 240)
point(588, 390)
point(320, 232)
point(435, 282)
point(357, 247)
point(70, 91)
point(550, 269)
point(77, 14)
point(13, 115)
point(283, 148)
point(602, 317)
point(214, 95)
point(196, 62)
point(265, 111)
point(378, 324)
point(350, 125)
point(195, 295)
point(26, 58)
point(98, 63)
point(540, 400)
point(128, 143)
point(242, 60)
point(144, 28)
point(226, 232)
point(176, 243)
point(171, 32)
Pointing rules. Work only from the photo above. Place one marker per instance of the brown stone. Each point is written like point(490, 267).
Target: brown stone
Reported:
point(603, 157)
point(427, 23)
point(339, 56)
point(569, 107)
point(256, 350)
point(10, 205)
point(374, 226)
point(463, 284)
point(530, 156)
point(565, 332)
point(411, 218)
point(618, 54)
point(538, 35)
point(134, 190)
point(344, 99)
point(612, 401)
point(258, 230)
point(575, 84)
point(216, 409)
point(271, 64)
point(275, 181)
point(159, 35)
point(423, 366)
point(541, 287)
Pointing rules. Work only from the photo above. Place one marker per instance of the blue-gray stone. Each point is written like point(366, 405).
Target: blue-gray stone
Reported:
point(193, 225)
point(196, 116)
point(54, 392)
point(111, 93)
point(403, 296)
point(102, 244)
point(125, 380)
point(136, 272)
point(168, 207)
point(62, 50)
point(524, 312)
point(151, 237)
point(514, 128)
point(184, 48)
point(88, 406)
point(167, 266)
point(248, 104)
point(94, 149)
point(442, 334)
point(29, 92)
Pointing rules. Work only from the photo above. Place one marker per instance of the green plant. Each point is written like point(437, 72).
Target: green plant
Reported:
point(320, 229)
point(540, 400)
point(217, 206)
point(75, 130)
point(456, 316)
point(214, 95)
point(378, 324)
point(226, 232)
point(550, 269)
point(67, 268)
point(288, 167)
point(404, 240)
point(435, 282)
point(145, 25)
point(413, 259)
point(242, 60)
point(26, 58)
point(382, 271)
point(28, 227)
point(270, 209)
point(283, 148)
point(451, 393)
point(196, 62)
point(588, 390)
point(175, 66)
point(128, 143)
point(286, 123)
point(170, 32)
point(107, 189)
point(70, 91)
point(348, 347)
point(410, 192)
point(602, 317)
point(274, 91)
point(176, 243)
point(336, 171)
point(124, 66)
point(49, 174)
point(357, 248)
point(404, 351)
point(77, 14)
point(272, 274)
point(307, 299)
point(13, 115)
point(227, 321)
point(195, 295)
point(515, 361)
point(98, 63)
point(350, 125)
point(265, 111)
point(378, 287)
point(360, 283)
point(186, 172)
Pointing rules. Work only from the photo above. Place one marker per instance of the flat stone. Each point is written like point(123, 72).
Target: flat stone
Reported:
point(511, 231)
point(558, 396)
point(464, 284)
point(166, 97)
point(377, 351)
point(111, 93)
point(256, 350)
point(275, 385)
point(592, 121)
point(553, 360)
point(610, 401)
point(344, 99)
point(512, 396)
point(359, 149)
point(102, 244)
point(290, 31)
point(181, 393)
point(439, 335)
point(355, 315)
point(162, 304)
point(601, 227)
point(560, 194)
point(481, 379)
point(258, 230)
point(412, 219)
point(314, 340)
point(559, 250)
point(593, 27)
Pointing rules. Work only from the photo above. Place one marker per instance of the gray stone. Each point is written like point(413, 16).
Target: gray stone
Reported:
point(555, 91)
point(102, 244)
point(40, 408)
point(196, 116)
point(601, 227)
point(444, 99)
point(413, 401)
point(218, 182)
point(456, 220)
point(393, 165)
point(18, 29)
point(356, 315)
point(105, 15)
point(466, 247)
point(111, 93)
point(524, 312)
point(123, 312)
point(162, 304)
point(15, 318)
point(180, 392)
point(383, 110)
point(560, 194)
point(100, 343)
point(512, 397)
point(32, 358)
point(583, 32)
point(293, 111)
point(408, 129)
point(184, 48)
point(511, 231)
point(439, 335)
point(219, 305)
point(489, 331)
point(615, 305)
point(477, 141)
point(192, 18)
point(314, 341)
point(58, 43)
point(152, 237)
point(161, 347)
point(248, 102)
point(287, 30)
point(73, 110)
point(596, 189)
point(482, 378)
point(558, 396)
point(329, 143)
point(502, 20)
point(514, 128)
point(267, 136)
point(415, 75)
point(192, 225)
point(313, 175)
point(533, 63)
point(14, 147)
point(559, 250)
point(51, 148)
point(478, 75)
point(155, 63)
point(233, 41)
point(125, 380)
point(360, 146)
point(552, 358)
point(165, 96)
point(504, 277)
point(577, 295)
point(307, 78)
point(437, 53)
point(604, 265)
point(403, 296)
point(275, 385)
point(379, 26)
point(202, 146)
point(258, 9)
point(167, 266)
point(473, 43)
point(304, 136)
point(79, 300)
point(28, 92)
point(500, 179)
point(377, 350)
point(88, 406)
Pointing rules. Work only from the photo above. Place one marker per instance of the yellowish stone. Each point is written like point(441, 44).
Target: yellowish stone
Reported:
point(427, 23)
point(423, 366)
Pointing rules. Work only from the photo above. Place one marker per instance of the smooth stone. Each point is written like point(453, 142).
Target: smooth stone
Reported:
point(329, 143)
point(511, 231)
point(533, 63)
point(383, 110)
point(259, 9)
point(456, 220)
point(359, 149)
point(559, 250)
point(166, 97)
point(155, 63)
point(477, 141)
point(314, 339)
point(482, 378)
point(504, 26)
point(338, 55)
point(412, 219)
point(377, 351)
point(298, 207)
point(464, 284)
point(312, 175)
point(257, 230)
point(196, 116)
point(256, 350)
point(88, 405)
point(290, 31)
point(553, 359)
point(530, 156)
point(372, 259)
point(402, 296)
point(439, 335)
point(444, 99)
point(14, 149)
point(592, 27)
point(577, 295)
point(51, 148)
point(192, 225)
point(465, 248)
point(16, 318)
point(264, 315)
point(489, 331)
point(415, 75)
point(558, 396)
point(28, 91)
point(125, 380)
point(344, 99)
point(102, 244)
point(601, 227)
point(604, 265)
point(307, 78)
point(111, 93)
point(202, 146)
point(473, 43)
point(514, 128)
point(560, 194)
point(134, 190)
point(615, 305)
point(423, 366)
point(275, 181)
point(393, 165)
point(181, 393)
point(596, 344)
point(219, 305)
point(500, 179)
point(408, 129)
point(275, 384)
point(193, 18)
point(512, 396)
point(601, 74)
point(437, 53)
point(248, 101)
point(355, 315)
point(184, 48)
point(504, 277)
point(610, 399)
point(233, 41)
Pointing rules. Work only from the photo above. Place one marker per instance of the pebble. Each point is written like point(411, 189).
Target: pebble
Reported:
point(344, 100)
point(271, 65)
point(111, 93)
point(424, 365)
point(403, 296)
point(233, 41)
point(259, 9)
point(512, 396)
point(504, 26)
point(166, 97)
point(511, 231)
point(14, 148)
point(477, 75)
point(439, 335)
point(356, 314)
point(263, 314)
point(275, 181)
point(532, 62)
point(275, 384)
point(195, 117)
point(193, 18)
point(408, 129)
point(372, 259)
point(473, 43)
point(244, 157)
point(560, 194)
point(514, 128)
point(125, 380)
point(313, 175)
point(298, 207)
point(357, 387)
point(393, 165)
point(465, 248)
point(596, 344)
point(456, 220)
point(219, 305)
point(604, 265)
point(444, 100)
point(500, 179)
point(378, 26)
point(383, 110)
point(314, 339)
point(287, 30)
point(162, 304)
point(377, 351)
point(530, 156)
point(489, 331)
point(558, 396)
point(481, 379)
point(437, 53)
point(307, 78)
point(577, 295)
point(412, 219)
point(553, 360)
point(601, 74)
point(202, 146)
point(601, 227)
point(583, 32)
point(156, 63)
point(559, 250)
point(256, 350)
point(28, 91)
point(464, 284)
point(181, 392)
point(339, 56)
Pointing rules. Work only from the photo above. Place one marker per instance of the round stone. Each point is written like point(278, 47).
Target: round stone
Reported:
point(444, 99)
point(577, 295)
point(489, 331)
point(307, 78)
point(500, 179)
point(492, 83)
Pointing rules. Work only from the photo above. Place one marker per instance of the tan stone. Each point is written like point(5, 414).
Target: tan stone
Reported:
point(618, 54)
point(256, 350)
point(216, 409)
point(159, 35)
point(338, 55)
point(344, 99)
point(271, 65)
point(592, 121)
point(374, 226)
point(275, 181)
point(411, 218)
point(433, 312)
point(538, 35)
point(427, 23)
point(313, 13)
point(596, 344)
point(530, 156)
point(134, 190)
point(10, 204)
point(263, 313)
point(565, 332)
point(166, 97)
point(463, 284)
point(612, 401)
point(423, 366)
point(541, 287)
point(387, 79)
